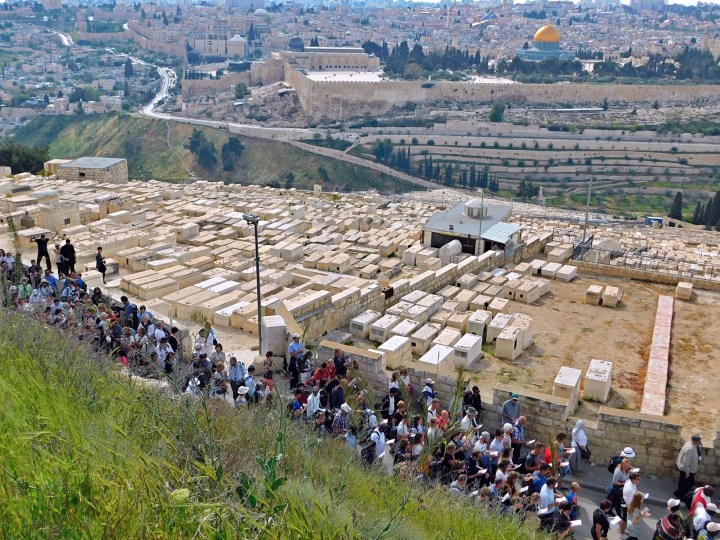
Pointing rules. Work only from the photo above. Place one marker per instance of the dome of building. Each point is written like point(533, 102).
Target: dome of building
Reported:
point(261, 12)
point(547, 34)
point(474, 203)
point(296, 44)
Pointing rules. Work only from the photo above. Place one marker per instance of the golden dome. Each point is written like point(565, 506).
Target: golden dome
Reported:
point(547, 34)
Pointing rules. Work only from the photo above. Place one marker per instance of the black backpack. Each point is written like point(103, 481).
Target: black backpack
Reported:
point(614, 462)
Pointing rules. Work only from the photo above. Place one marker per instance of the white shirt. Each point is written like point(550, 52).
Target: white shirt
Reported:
point(313, 404)
point(480, 446)
point(467, 423)
point(700, 517)
point(496, 446)
point(162, 352)
point(403, 431)
point(629, 490)
point(378, 437)
point(431, 414)
point(158, 335)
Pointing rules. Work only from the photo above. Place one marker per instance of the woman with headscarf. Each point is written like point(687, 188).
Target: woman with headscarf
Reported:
point(580, 444)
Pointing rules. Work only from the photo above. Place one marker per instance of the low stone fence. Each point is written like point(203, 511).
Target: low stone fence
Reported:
point(643, 275)
point(656, 440)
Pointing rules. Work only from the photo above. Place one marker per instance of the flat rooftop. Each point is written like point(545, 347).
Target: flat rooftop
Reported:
point(345, 76)
point(92, 162)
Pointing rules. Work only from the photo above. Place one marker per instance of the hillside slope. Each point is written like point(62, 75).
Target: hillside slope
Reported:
point(89, 454)
point(156, 149)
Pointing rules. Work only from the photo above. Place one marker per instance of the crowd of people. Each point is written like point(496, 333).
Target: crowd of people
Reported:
point(405, 429)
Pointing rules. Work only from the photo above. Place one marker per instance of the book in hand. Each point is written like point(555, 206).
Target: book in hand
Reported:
point(635, 470)
point(576, 522)
point(564, 463)
point(524, 489)
point(570, 450)
point(615, 521)
point(544, 511)
point(646, 496)
point(530, 443)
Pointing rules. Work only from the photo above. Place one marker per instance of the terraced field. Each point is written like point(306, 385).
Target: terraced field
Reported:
point(643, 164)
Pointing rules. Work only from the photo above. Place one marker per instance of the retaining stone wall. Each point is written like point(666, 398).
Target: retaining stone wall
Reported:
point(643, 275)
point(655, 440)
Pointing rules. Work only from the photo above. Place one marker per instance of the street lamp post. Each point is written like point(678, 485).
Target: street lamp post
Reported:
point(587, 208)
point(254, 219)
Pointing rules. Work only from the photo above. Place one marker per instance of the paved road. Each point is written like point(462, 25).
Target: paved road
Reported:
point(289, 135)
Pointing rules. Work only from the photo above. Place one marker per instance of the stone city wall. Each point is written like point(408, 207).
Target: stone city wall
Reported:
point(105, 36)
point(174, 48)
point(192, 88)
point(340, 100)
point(266, 73)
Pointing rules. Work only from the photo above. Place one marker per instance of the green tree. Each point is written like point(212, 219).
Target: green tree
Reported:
point(677, 207)
point(448, 175)
point(230, 152)
point(698, 214)
point(497, 112)
point(129, 70)
point(241, 90)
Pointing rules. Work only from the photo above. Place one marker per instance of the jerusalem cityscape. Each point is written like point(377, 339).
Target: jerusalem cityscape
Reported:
point(360, 269)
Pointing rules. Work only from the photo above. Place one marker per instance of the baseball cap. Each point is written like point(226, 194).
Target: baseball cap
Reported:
point(672, 503)
point(345, 407)
point(712, 527)
point(295, 335)
point(515, 396)
point(696, 438)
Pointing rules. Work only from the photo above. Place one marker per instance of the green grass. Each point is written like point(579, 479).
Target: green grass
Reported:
point(144, 143)
point(89, 454)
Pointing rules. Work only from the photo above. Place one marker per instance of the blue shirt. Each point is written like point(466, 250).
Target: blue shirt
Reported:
point(250, 383)
point(538, 481)
point(236, 373)
point(295, 348)
point(518, 432)
point(129, 310)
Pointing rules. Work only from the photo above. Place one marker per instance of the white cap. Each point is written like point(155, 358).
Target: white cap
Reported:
point(712, 527)
point(345, 407)
point(628, 452)
point(295, 335)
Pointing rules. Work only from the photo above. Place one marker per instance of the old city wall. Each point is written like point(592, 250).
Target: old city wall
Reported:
point(338, 100)
point(192, 88)
point(656, 440)
point(104, 36)
point(176, 48)
point(265, 73)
